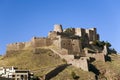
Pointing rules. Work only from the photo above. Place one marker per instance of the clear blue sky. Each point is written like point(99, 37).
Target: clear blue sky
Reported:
point(20, 20)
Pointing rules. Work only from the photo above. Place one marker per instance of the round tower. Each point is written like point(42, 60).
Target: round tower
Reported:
point(58, 28)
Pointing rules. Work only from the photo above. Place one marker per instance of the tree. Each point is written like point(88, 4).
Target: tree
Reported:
point(101, 43)
point(107, 44)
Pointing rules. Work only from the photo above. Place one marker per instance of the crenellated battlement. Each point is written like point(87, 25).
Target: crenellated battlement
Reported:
point(16, 46)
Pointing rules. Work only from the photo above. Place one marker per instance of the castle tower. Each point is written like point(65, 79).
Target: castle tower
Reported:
point(58, 28)
point(92, 34)
point(79, 32)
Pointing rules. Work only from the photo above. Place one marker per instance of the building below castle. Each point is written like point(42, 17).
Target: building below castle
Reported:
point(15, 74)
point(72, 44)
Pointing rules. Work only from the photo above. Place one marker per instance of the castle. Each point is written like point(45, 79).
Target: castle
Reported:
point(72, 44)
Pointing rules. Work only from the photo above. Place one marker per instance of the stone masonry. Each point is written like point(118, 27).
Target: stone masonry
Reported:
point(72, 49)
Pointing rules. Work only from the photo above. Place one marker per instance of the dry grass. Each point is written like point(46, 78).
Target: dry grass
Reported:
point(67, 74)
point(26, 59)
point(110, 69)
point(45, 60)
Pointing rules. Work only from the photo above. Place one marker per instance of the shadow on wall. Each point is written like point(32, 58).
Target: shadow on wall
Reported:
point(92, 59)
point(54, 72)
point(93, 69)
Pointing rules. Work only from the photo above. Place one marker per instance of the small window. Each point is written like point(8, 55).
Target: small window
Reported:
point(21, 76)
point(13, 75)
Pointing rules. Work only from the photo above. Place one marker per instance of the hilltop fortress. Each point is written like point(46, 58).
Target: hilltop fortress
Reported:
point(75, 45)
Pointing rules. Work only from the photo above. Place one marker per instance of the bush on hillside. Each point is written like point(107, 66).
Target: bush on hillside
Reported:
point(74, 76)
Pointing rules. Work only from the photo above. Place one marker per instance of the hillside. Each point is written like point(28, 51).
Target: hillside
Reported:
point(39, 63)
point(109, 70)
point(42, 61)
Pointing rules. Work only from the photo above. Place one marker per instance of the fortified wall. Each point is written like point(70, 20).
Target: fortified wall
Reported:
point(54, 37)
point(69, 48)
point(33, 43)
point(16, 46)
point(73, 46)
point(40, 42)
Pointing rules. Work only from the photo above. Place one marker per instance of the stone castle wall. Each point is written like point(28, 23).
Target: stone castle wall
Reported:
point(100, 57)
point(97, 56)
point(91, 33)
point(69, 49)
point(52, 34)
point(18, 46)
point(15, 46)
point(76, 46)
point(28, 44)
point(53, 38)
point(72, 46)
point(79, 31)
point(40, 42)
point(58, 28)
point(35, 42)
point(79, 63)
point(66, 43)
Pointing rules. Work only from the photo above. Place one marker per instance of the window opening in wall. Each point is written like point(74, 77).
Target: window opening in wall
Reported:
point(76, 57)
point(13, 75)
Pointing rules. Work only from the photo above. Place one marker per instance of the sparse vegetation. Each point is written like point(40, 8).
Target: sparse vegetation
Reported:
point(74, 76)
point(46, 61)
point(67, 74)
point(69, 32)
point(101, 44)
point(101, 77)
point(39, 64)
point(109, 70)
